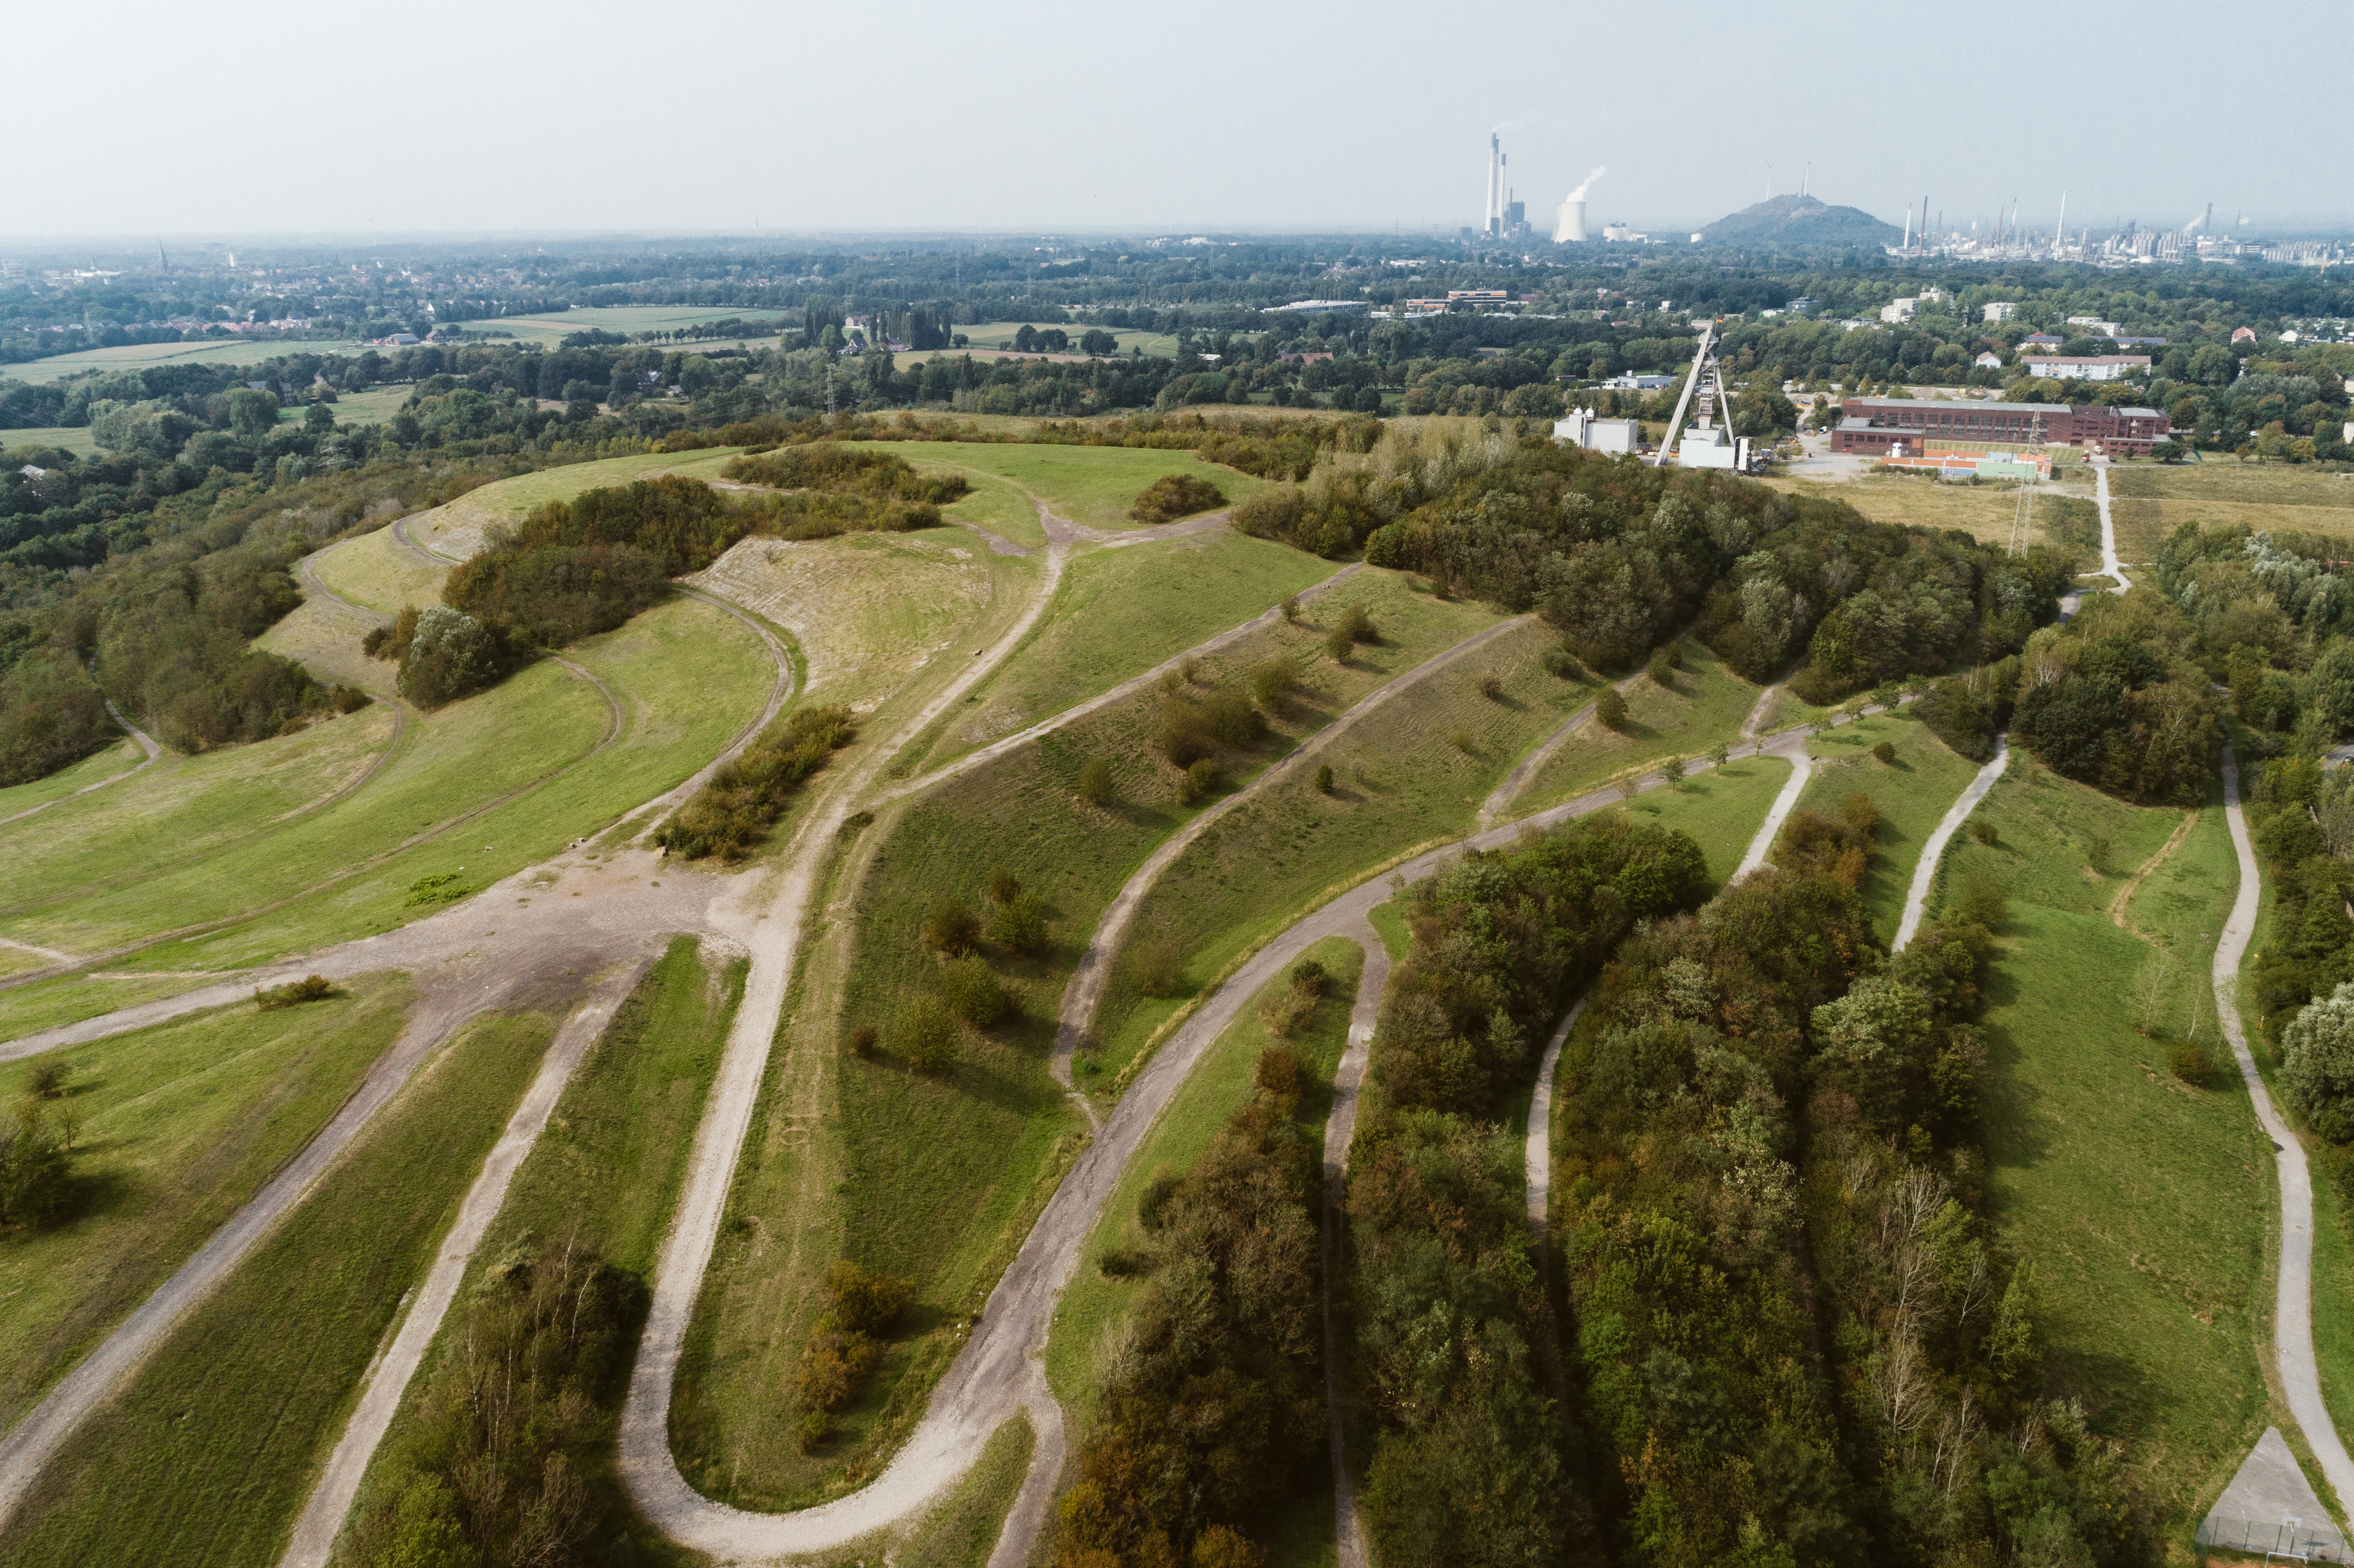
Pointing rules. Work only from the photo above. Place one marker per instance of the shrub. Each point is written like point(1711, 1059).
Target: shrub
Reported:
point(1610, 708)
point(1979, 900)
point(974, 993)
point(36, 1164)
point(1200, 781)
point(1152, 1203)
point(1124, 1263)
point(728, 815)
point(1359, 625)
point(1018, 925)
point(2188, 1061)
point(1340, 645)
point(862, 1040)
point(1561, 664)
point(1675, 652)
point(1272, 684)
point(951, 927)
point(1096, 785)
point(863, 1301)
point(311, 988)
point(47, 1079)
point(1175, 495)
point(1462, 741)
point(450, 654)
point(1885, 752)
point(2096, 854)
point(1153, 963)
point(1003, 887)
point(1986, 833)
point(1660, 669)
point(1323, 778)
point(1862, 814)
point(2317, 1064)
point(1291, 608)
point(854, 824)
point(1492, 688)
point(926, 1036)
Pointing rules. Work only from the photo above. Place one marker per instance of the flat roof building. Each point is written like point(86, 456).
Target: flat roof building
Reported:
point(2085, 367)
point(1880, 426)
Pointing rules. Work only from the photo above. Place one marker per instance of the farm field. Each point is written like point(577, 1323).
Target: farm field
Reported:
point(552, 327)
point(2143, 1204)
point(935, 1178)
point(2150, 502)
point(75, 439)
point(207, 1451)
point(1119, 614)
point(1913, 793)
point(1982, 511)
point(373, 407)
point(1092, 485)
point(600, 1181)
point(141, 355)
point(180, 1124)
point(687, 677)
point(999, 335)
point(1412, 774)
point(1703, 704)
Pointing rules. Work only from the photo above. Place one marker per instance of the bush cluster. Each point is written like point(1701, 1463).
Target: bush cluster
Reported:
point(1175, 495)
point(310, 988)
point(841, 1349)
point(728, 815)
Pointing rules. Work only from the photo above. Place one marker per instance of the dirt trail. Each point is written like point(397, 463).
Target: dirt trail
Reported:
point(1340, 1135)
point(2133, 884)
point(1085, 988)
point(146, 744)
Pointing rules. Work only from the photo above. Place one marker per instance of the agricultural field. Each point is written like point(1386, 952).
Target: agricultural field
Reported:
point(1120, 612)
point(2143, 1203)
point(75, 439)
point(1912, 793)
point(1094, 486)
point(181, 1124)
point(1982, 511)
point(935, 1177)
point(206, 1453)
point(553, 326)
point(999, 336)
point(373, 407)
point(2148, 501)
point(144, 355)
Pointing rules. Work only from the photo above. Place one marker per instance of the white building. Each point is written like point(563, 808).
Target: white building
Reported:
point(1617, 437)
point(1897, 312)
point(1990, 360)
point(1715, 447)
point(2086, 366)
point(1999, 310)
point(2096, 325)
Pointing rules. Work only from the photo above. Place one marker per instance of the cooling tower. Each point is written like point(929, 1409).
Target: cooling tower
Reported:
point(1569, 223)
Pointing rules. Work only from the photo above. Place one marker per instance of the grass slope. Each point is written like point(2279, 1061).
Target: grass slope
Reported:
point(182, 1124)
point(377, 572)
point(938, 1178)
point(1117, 614)
point(606, 1172)
point(206, 1454)
point(1092, 485)
point(1703, 704)
point(121, 758)
point(2150, 502)
point(1721, 808)
point(2143, 1204)
point(1412, 773)
point(1913, 793)
point(1984, 512)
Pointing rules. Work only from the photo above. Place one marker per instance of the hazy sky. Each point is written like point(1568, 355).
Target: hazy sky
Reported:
point(261, 117)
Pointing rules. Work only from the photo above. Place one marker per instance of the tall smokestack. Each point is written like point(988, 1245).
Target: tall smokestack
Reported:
point(1495, 157)
point(1908, 228)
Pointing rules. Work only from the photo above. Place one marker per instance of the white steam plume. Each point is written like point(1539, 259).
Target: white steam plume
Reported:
point(1579, 194)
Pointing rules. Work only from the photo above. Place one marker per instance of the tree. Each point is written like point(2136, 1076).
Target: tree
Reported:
point(1672, 770)
point(2317, 1064)
point(974, 993)
point(951, 927)
point(1323, 778)
point(1660, 669)
point(1610, 708)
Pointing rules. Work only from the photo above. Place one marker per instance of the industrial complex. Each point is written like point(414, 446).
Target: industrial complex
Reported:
point(1901, 426)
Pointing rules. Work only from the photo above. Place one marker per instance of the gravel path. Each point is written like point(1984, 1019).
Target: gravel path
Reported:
point(146, 744)
point(1925, 870)
point(389, 1379)
point(1340, 1134)
point(2300, 1375)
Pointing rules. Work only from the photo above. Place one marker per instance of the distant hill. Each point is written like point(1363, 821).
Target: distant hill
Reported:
point(1802, 220)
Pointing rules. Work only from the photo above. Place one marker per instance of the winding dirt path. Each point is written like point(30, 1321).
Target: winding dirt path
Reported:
point(1339, 1135)
point(2300, 1374)
point(2117, 915)
point(146, 744)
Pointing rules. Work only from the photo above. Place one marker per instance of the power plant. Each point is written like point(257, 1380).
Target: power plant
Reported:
point(1569, 219)
point(1501, 218)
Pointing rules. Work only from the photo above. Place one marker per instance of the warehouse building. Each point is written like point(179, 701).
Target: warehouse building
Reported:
point(1884, 426)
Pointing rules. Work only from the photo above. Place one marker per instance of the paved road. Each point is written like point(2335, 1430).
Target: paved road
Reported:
point(2293, 1303)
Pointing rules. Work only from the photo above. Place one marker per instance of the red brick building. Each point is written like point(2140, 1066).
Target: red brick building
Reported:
point(1876, 427)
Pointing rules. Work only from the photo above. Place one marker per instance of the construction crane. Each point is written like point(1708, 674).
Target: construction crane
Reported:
point(1708, 378)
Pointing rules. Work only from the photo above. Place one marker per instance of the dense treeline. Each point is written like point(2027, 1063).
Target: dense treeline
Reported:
point(493, 1467)
point(1471, 1453)
point(1216, 1409)
point(1793, 1339)
point(2113, 698)
point(833, 489)
point(728, 816)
